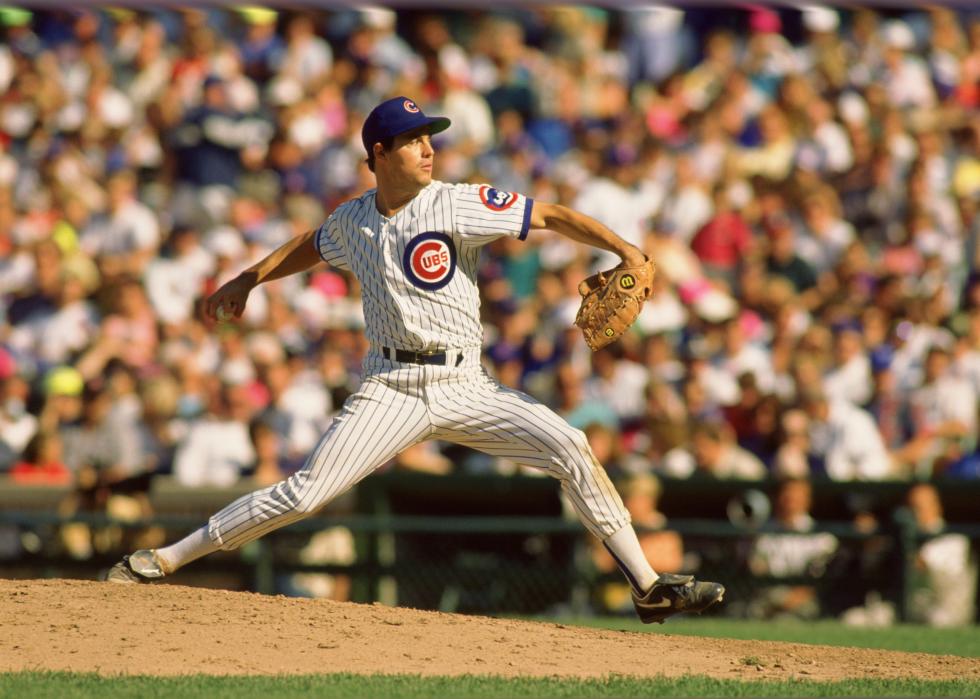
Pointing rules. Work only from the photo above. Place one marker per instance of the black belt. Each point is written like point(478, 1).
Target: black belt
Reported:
point(412, 357)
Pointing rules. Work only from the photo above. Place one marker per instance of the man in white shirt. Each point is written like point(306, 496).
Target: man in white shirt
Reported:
point(740, 356)
point(130, 234)
point(944, 413)
point(850, 378)
point(906, 77)
point(217, 448)
point(944, 586)
point(714, 453)
point(846, 438)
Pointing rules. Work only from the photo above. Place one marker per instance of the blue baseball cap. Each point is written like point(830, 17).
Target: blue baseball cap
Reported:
point(396, 116)
point(881, 358)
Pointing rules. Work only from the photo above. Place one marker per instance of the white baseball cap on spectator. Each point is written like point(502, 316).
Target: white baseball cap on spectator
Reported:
point(237, 372)
point(715, 306)
point(817, 18)
point(898, 35)
point(378, 17)
point(739, 194)
point(571, 172)
point(283, 91)
point(17, 118)
point(71, 117)
point(853, 109)
point(655, 19)
point(115, 109)
point(455, 64)
point(265, 348)
point(224, 241)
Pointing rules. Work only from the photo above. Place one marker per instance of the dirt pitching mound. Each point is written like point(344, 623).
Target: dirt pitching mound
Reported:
point(173, 630)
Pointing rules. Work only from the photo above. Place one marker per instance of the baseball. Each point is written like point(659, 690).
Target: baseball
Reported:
point(222, 315)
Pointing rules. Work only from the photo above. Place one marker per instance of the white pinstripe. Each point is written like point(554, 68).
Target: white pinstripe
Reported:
point(400, 404)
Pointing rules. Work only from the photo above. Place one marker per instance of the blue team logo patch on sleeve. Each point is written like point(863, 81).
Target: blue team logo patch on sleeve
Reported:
point(497, 199)
point(430, 260)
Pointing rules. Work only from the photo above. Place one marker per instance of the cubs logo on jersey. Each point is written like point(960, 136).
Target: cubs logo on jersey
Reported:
point(495, 199)
point(410, 106)
point(430, 260)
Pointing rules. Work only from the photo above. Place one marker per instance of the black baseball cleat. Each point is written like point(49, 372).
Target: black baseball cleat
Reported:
point(140, 567)
point(673, 594)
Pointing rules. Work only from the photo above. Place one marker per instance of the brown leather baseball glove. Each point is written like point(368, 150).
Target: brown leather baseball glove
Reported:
point(611, 301)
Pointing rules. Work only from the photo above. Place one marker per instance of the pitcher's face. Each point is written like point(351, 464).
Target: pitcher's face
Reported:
point(411, 158)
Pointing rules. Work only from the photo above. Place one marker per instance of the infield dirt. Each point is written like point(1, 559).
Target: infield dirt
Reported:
point(173, 630)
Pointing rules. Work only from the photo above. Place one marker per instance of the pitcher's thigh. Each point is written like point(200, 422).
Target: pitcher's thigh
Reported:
point(374, 425)
point(512, 425)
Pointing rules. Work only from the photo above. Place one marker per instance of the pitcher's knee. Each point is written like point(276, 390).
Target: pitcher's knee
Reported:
point(307, 507)
point(576, 467)
point(304, 502)
point(570, 440)
point(296, 496)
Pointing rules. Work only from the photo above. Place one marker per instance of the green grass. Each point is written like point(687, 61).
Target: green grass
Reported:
point(963, 641)
point(65, 685)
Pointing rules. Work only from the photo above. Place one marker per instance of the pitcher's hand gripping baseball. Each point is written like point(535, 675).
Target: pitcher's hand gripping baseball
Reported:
point(229, 301)
point(611, 302)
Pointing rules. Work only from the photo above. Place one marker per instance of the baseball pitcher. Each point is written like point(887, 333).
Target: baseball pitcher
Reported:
point(414, 245)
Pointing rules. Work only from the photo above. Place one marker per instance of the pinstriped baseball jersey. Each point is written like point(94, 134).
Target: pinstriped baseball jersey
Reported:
point(417, 269)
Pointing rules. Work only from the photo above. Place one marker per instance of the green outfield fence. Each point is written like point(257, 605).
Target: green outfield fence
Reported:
point(482, 544)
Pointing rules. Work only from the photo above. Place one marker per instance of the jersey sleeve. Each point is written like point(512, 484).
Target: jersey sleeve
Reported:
point(484, 213)
point(329, 244)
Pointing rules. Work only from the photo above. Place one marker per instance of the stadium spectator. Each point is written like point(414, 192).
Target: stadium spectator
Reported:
point(783, 259)
point(267, 468)
point(43, 462)
point(56, 322)
point(102, 449)
point(159, 428)
point(714, 453)
point(849, 378)
point(792, 459)
point(217, 449)
point(724, 242)
point(173, 282)
point(943, 412)
point(127, 236)
point(617, 382)
point(888, 405)
point(17, 425)
point(793, 550)
point(844, 439)
point(944, 589)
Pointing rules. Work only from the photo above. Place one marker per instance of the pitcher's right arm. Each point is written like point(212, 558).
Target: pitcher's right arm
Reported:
point(296, 255)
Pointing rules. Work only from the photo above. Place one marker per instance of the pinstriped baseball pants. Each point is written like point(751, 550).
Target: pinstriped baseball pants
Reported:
point(400, 404)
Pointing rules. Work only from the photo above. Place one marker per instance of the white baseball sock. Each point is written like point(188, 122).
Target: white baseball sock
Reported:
point(190, 548)
point(625, 549)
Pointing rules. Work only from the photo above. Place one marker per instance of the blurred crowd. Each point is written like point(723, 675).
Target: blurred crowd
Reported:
point(806, 180)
